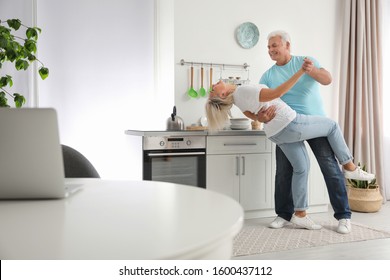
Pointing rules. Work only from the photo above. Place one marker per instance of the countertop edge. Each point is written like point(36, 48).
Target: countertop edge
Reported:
point(195, 132)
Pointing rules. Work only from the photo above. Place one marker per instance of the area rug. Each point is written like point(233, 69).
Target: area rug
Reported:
point(259, 239)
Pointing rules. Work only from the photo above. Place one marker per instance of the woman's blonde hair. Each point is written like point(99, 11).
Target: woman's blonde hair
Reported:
point(218, 111)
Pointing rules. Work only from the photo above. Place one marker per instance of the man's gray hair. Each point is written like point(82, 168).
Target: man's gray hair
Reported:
point(282, 34)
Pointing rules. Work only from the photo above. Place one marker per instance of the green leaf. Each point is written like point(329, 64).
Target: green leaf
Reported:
point(21, 64)
point(31, 46)
point(32, 33)
point(43, 72)
point(14, 23)
point(19, 100)
point(15, 46)
point(3, 42)
point(6, 80)
point(3, 82)
point(11, 54)
point(31, 57)
point(3, 100)
point(2, 57)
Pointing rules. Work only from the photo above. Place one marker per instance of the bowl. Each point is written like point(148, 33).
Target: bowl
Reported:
point(240, 127)
point(240, 121)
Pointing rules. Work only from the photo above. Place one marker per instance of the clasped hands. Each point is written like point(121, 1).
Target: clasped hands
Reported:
point(307, 65)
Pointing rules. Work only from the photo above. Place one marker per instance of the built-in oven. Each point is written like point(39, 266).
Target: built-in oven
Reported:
point(175, 159)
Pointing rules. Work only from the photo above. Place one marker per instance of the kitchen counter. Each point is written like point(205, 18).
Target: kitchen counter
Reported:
point(227, 132)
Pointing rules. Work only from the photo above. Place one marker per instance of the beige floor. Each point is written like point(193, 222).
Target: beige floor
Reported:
point(364, 250)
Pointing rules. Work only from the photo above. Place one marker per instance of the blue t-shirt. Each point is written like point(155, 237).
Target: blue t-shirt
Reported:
point(304, 97)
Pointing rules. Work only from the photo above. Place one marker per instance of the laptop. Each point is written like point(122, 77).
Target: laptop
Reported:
point(31, 164)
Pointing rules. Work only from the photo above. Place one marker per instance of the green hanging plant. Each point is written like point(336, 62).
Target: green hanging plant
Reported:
point(21, 52)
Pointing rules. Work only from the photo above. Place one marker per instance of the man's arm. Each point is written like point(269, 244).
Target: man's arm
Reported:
point(321, 75)
point(265, 115)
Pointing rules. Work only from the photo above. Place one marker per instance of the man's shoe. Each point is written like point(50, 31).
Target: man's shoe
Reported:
point(279, 222)
point(359, 174)
point(305, 222)
point(344, 226)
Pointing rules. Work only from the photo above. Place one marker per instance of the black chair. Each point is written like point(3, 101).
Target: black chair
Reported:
point(77, 165)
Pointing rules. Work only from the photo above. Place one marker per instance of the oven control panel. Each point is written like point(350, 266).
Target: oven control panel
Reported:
point(174, 142)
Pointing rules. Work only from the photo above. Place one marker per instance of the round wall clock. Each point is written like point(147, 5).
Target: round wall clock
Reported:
point(247, 35)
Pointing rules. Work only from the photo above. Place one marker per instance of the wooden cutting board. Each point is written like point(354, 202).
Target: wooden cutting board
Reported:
point(196, 127)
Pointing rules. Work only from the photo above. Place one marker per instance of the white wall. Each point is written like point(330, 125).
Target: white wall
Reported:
point(204, 32)
point(101, 60)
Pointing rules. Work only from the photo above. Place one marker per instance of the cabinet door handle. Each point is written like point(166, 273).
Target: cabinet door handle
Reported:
point(239, 144)
point(243, 165)
point(175, 154)
point(237, 165)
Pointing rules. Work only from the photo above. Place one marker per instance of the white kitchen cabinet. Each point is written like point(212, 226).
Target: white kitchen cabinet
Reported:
point(241, 167)
point(255, 181)
point(221, 175)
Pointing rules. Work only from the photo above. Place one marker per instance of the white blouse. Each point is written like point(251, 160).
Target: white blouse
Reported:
point(247, 98)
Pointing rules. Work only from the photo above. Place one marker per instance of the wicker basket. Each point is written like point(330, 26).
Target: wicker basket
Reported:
point(364, 200)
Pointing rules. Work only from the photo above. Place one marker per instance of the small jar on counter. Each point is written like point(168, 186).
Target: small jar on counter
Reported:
point(256, 125)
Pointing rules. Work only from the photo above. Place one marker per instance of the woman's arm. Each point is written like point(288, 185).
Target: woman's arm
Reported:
point(250, 115)
point(268, 94)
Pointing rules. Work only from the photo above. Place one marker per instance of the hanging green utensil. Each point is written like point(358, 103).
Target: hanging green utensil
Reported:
point(191, 92)
point(202, 91)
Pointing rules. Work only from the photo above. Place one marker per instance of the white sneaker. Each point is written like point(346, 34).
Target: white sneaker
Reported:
point(359, 174)
point(304, 222)
point(344, 226)
point(279, 222)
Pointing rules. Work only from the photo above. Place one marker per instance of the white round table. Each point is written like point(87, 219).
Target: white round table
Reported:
point(121, 220)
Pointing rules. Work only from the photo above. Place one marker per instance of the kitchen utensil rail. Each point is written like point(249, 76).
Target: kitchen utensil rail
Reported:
point(244, 66)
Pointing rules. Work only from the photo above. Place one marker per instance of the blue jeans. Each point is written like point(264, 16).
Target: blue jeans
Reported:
point(335, 181)
point(290, 140)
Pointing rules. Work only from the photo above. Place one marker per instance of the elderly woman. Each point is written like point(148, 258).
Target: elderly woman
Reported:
point(288, 130)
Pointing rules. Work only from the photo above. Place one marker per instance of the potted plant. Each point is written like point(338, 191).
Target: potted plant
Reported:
point(19, 50)
point(364, 196)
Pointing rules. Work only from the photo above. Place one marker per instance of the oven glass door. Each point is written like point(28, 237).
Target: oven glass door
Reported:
point(186, 167)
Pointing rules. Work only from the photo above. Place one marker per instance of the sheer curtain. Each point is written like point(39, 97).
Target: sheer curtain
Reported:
point(361, 94)
point(386, 93)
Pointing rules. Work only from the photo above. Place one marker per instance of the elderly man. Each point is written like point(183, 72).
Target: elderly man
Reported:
point(305, 99)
